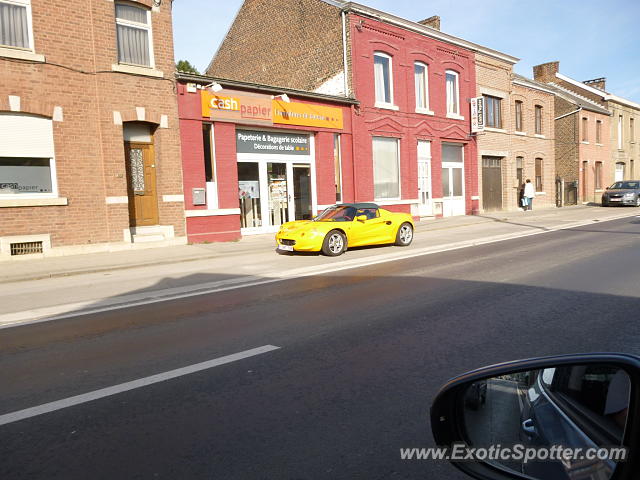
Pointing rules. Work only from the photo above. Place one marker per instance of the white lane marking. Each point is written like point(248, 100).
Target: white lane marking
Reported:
point(124, 387)
point(58, 312)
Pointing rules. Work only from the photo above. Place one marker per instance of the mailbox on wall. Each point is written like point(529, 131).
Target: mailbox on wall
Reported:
point(199, 196)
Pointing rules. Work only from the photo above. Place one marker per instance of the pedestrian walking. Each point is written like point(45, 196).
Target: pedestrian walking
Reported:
point(529, 194)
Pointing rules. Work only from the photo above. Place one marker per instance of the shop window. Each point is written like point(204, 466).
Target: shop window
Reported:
point(453, 92)
point(539, 183)
point(133, 32)
point(421, 74)
point(383, 73)
point(519, 127)
point(27, 164)
point(15, 24)
point(538, 118)
point(492, 114)
point(337, 165)
point(386, 168)
point(209, 166)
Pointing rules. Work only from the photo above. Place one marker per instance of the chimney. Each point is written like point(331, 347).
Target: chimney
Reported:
point(598, 83)
point(546, 72)
point(433, 22)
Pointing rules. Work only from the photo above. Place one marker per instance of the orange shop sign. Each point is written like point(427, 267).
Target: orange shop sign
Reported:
point(237, 107)
point(306, 114)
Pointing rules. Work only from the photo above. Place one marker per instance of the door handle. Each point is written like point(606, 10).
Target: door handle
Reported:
point(388, 222)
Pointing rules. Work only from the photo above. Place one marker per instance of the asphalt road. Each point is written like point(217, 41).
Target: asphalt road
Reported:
point(362, 353)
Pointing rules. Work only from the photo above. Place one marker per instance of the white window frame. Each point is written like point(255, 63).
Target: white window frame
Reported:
point(381, 103)
point(397, 140)
point(27, 4)
point(337, 141)
point(128, 23)
point(453, 114)
point(54, 176)
point(422, 108)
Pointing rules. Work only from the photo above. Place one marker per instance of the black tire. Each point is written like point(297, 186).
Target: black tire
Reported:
point(404, 237)
point(334, 244)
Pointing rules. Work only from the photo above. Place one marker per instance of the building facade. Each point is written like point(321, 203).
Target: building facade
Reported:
point(412, 145)
point(89, 143)
point(255, 157)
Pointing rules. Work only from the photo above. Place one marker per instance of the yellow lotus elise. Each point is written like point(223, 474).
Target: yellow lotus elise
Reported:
point(346, 225)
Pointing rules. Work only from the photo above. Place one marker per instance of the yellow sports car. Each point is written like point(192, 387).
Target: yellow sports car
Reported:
point(346, 225)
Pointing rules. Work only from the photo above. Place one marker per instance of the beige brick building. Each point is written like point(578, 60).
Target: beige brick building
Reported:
point(89, 144)
point(514, 146)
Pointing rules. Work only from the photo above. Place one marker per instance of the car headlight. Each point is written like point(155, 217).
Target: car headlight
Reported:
point(629, 195)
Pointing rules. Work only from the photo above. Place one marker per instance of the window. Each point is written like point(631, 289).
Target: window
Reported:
point(632, 134)
point(453, 93)
point(133, 31)
point(15, 20)
point(538, 120)
point(585, 129)
point(598, 176)
point(383, 76)
point(598, 131)
point(27, 164)
point(386, 168)
point(422, 86)
point(519, 127)
point(620, 171)
point(539, 175)
point(337, 165)
point(619, 132)
point(209, 166)
point(520, 171)
point(631, 168)
point(492, 115)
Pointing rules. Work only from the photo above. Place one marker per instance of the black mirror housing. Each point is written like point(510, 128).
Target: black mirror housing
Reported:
point(448, 410)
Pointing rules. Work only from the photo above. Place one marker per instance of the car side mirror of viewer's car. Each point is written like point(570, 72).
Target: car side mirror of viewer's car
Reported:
point(361, 218)
point(555, 418)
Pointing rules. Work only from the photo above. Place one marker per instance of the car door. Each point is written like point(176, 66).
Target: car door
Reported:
point(371, 231)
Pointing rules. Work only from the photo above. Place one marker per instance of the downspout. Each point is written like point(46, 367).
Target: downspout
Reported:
point(344, 54)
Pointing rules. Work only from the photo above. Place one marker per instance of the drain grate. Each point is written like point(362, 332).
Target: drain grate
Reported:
point(26, 248)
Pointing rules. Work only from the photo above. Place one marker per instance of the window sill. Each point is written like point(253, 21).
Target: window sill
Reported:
point(537, 135)
point(541, 193)
point(21, 54)
point(386, 106)
point(599, 145)
point(33, 202)
point(455, 116)
point(424, 111)
point(496, 130)
point(524, 134)
point(584, 143)
point(599, 190)
point(135, 70)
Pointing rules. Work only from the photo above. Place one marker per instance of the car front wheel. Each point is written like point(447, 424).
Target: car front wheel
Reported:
point(334, 244)
point(404, 237)
point(638, 201)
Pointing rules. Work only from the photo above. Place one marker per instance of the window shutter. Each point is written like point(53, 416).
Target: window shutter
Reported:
point(26, 136)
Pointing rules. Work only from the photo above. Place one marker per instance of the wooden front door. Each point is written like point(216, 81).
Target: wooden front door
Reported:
point(491, 183)
point(141, 184)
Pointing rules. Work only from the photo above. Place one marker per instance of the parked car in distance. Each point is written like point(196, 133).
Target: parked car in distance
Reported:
point(346, 225)
point(626, 192)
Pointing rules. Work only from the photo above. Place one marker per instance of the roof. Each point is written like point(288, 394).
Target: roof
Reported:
point(527, 82)
point(596, 91)
point(579, 100)
point(268, 89)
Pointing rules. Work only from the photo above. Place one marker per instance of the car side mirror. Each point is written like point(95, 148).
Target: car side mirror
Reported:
point(571, 416)
point(361, 218)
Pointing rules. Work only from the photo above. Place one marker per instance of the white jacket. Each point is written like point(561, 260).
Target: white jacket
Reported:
point(529, 191)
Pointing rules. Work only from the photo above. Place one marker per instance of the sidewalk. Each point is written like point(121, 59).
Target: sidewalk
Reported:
point(20, 270)
point(75, 285)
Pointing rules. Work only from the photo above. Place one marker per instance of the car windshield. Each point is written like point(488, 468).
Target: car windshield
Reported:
point(625, 185)
point(339, 213)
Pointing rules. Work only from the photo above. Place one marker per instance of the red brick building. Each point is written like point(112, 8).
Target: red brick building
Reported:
point(412, 144)
point(255, 156)
point(89, 143)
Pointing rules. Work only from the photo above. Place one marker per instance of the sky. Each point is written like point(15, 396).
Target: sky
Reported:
point(590, 38)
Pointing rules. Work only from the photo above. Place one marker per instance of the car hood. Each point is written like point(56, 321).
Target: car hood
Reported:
point(300, 226)
point(620, 190)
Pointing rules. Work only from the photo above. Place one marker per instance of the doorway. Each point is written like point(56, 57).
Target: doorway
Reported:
point(425, 204)
point(452, 180)
point(141, 184)
point(491, 184)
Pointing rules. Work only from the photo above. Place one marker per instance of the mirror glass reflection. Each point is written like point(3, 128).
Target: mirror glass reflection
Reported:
point(572, 406)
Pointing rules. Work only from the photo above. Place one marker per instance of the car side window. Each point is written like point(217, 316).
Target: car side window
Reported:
point(370, 213)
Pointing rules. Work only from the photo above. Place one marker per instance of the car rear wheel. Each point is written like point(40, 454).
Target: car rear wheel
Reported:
point(334, 244)
point(404, 237)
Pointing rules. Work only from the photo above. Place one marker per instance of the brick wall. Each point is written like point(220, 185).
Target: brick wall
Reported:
point(78, 40)
point(287, 43)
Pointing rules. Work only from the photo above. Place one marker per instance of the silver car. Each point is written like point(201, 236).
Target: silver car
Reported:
point(626, 192)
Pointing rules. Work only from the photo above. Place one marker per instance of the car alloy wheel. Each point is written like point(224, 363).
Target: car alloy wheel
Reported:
point(405, 235)
point(334, 243)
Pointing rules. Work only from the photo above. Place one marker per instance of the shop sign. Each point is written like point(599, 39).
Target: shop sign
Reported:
point(306, 114)
point(237, 107)
point(251, 141)
point(477, 114)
